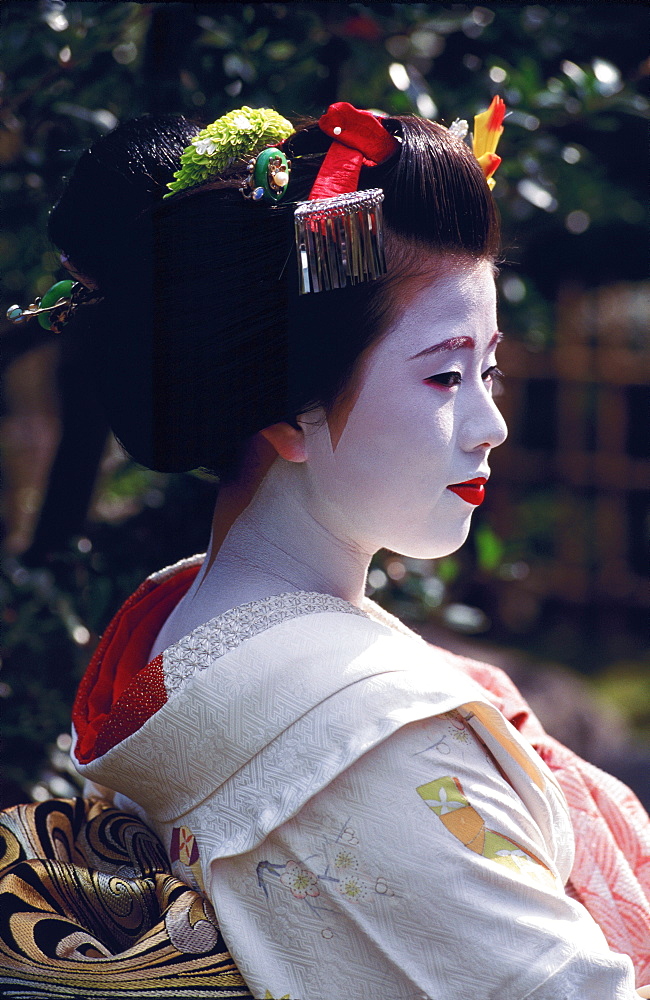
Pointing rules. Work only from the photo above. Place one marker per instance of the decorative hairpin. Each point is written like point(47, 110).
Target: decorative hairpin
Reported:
point(488, 129)
point(339, 240)
point(339, 230)
point(268, 175)
point(240, 134)
point(54, 309)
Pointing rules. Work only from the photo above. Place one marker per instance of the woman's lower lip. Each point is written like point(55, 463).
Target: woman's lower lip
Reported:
point(473, 491)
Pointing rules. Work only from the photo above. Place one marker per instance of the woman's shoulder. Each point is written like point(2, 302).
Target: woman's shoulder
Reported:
point(298, 611)
point(297, 645)
point(307, 634)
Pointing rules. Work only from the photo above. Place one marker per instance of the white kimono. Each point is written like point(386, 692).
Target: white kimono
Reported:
point(364, 821)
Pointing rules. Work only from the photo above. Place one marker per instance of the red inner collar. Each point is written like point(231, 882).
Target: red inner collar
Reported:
point(123, 653)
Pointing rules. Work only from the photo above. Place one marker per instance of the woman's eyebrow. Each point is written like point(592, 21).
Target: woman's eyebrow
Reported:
point(453, 344)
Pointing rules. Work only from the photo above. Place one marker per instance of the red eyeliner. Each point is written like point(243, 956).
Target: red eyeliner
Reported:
point(473, 491)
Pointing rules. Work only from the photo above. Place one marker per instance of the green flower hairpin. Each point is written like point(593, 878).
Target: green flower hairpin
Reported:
point(238, 135)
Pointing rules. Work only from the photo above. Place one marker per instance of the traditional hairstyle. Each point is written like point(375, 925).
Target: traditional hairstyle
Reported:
point(201, 338)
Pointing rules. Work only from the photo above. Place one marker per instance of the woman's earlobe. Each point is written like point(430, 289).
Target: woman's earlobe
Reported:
point(288, 441)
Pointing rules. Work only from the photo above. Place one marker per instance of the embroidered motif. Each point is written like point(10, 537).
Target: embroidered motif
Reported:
point(197, 651)
point(446, 798)
point(333, 868)
point(456, 730)
point(300, 880)
point(345, 861)
point(184, 856)
point(348, 836)
point(382, 887)
point(352, 888)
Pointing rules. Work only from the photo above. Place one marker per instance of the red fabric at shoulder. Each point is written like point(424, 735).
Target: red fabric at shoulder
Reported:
point(611, 872)
point(122, 653)
point(142, 699)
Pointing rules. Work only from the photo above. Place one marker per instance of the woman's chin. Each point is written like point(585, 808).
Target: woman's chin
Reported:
point(437, 546)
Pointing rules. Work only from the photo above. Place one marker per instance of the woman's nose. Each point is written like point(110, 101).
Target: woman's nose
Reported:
point(483, 426)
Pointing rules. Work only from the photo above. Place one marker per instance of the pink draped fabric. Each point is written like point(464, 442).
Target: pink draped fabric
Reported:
point(611, 874)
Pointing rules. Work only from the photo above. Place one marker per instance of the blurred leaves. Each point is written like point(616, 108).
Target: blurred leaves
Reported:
point(489, 548)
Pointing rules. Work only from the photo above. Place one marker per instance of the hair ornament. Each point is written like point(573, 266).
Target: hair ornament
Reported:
point(488, 129)
point(339, 229)
point(459, 127)
point(238, 135)
point(56, 307)
point(268, 175)
point(340, 240)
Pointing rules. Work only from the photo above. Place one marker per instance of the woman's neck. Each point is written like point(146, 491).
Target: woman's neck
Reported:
point(269, 536)
point(281, 540)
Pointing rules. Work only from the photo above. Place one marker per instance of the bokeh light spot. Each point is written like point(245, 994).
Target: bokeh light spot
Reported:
point(578, 221)
point(377, 579)
point(399, 76)
point(570, 154)
point(537, 195)
point(125, 53)
point(513, 288)
point(608, 77)
point(81, 635)
point(396, 570)
point(426, 106)
point(497, 74)
point(464, 618)
point(56, 20)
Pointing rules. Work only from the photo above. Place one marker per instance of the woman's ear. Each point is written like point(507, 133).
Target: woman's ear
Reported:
point(288, 441)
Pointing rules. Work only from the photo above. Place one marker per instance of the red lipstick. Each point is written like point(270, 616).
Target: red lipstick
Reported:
point(473, 491)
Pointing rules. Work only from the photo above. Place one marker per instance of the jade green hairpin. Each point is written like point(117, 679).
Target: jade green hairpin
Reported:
point(237, 135)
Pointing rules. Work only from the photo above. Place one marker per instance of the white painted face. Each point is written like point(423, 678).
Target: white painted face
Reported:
point(423, 420)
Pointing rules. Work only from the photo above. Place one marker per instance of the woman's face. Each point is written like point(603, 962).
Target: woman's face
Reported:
point(381, 473)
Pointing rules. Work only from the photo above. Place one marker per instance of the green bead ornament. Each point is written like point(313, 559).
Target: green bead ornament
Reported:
point(60, 290)
point(271, 173)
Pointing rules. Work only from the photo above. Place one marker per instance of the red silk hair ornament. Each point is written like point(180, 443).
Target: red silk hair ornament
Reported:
point(360, 140)
point(339, 229)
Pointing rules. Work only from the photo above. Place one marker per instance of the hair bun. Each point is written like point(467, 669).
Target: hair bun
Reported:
point(123, 174)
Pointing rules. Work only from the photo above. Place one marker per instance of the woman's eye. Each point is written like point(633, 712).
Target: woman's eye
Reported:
point(446, 379)
point(492, 374)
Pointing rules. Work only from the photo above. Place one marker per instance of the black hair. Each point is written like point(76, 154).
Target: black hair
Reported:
point(201, 339)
